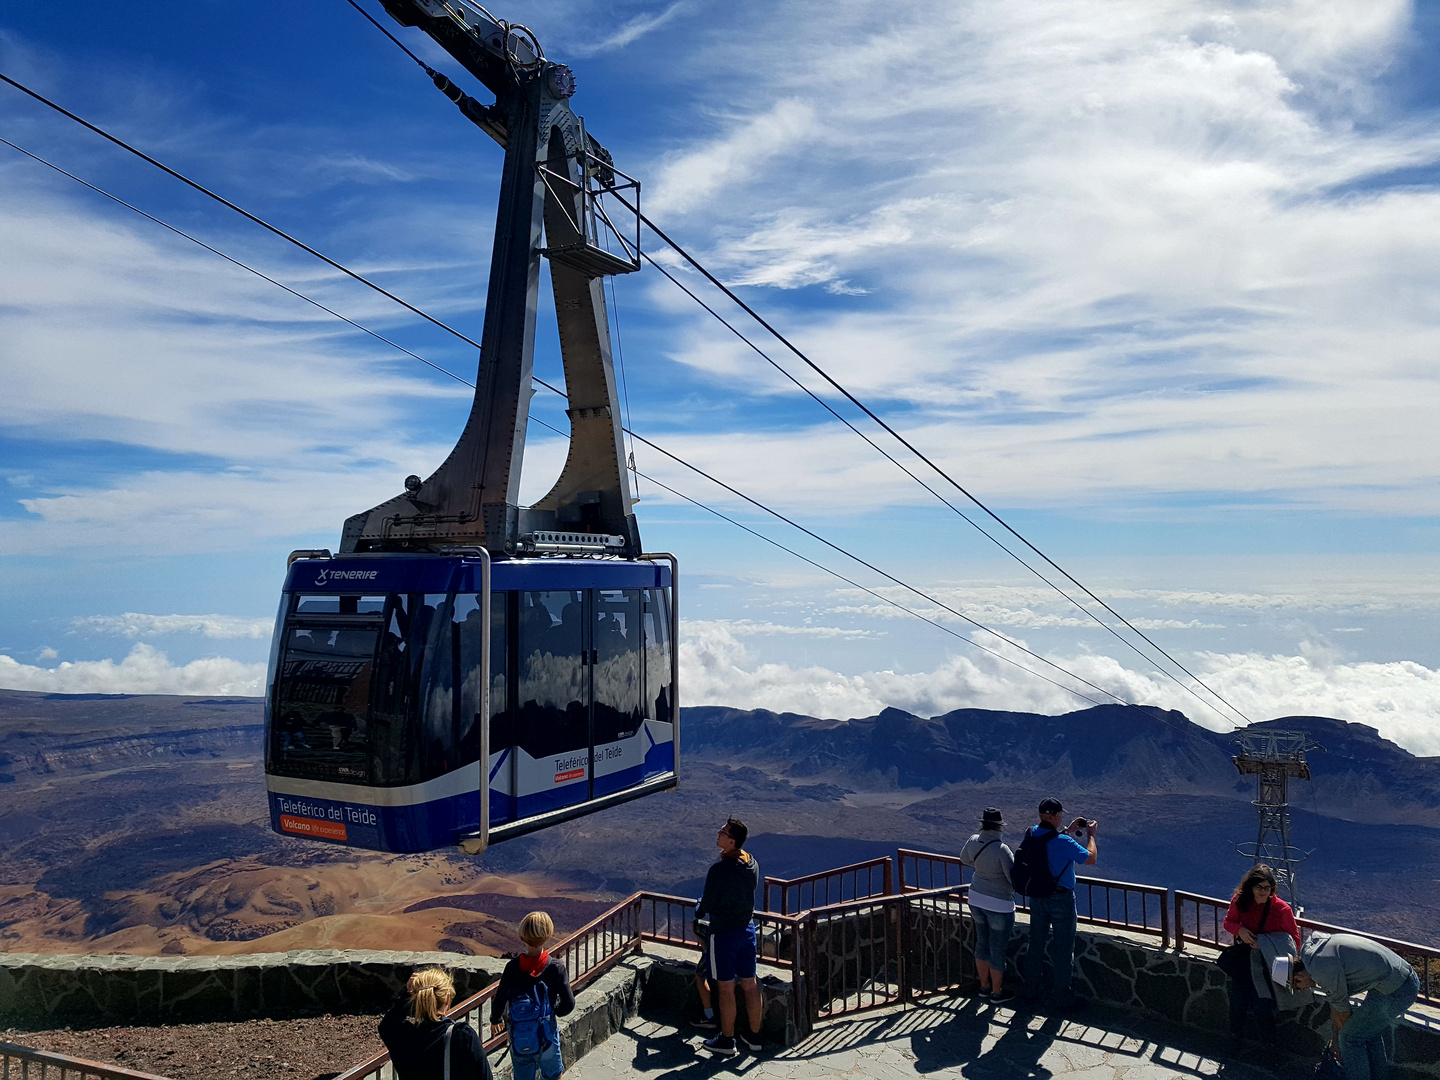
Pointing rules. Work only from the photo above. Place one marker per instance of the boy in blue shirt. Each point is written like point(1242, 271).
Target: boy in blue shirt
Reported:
point(1057, 911)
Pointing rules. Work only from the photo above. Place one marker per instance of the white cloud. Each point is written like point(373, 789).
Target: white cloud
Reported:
point(146, 670)
point(1400, 699)
point(1114, 250)
point(753, 628)
point(629, 32)
point(134, 624)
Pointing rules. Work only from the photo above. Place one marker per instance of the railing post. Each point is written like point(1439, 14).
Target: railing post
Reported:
point(897, 907)
point(1179, 923)
point(889, 877)
point(1164, 921)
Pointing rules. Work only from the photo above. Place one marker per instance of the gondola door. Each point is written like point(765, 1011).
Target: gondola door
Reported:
point(554, 735)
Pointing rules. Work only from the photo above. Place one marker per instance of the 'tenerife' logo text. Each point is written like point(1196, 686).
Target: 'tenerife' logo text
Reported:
point(328, 576)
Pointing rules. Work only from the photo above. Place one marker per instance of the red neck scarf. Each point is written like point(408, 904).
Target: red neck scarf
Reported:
point(533, 965)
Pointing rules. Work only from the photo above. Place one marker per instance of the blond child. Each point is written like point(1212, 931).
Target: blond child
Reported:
point(535, 990)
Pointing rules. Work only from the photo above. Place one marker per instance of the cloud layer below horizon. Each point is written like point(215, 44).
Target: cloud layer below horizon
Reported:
point(1400, 699)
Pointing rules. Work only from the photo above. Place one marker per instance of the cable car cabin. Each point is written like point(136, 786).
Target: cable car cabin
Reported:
point(392, 677)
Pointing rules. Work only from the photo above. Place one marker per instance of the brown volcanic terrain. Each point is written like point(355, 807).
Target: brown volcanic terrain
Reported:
point(139, 825)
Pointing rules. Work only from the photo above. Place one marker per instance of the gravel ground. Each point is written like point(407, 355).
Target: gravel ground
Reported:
point(309, 1049)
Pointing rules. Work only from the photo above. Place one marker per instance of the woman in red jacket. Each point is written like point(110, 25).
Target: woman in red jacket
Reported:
point(1255, 909)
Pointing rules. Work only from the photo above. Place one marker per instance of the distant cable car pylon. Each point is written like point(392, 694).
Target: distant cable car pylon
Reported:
point(1273, 757)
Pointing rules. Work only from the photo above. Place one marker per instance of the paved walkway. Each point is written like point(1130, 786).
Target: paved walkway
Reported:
point(958, 1039)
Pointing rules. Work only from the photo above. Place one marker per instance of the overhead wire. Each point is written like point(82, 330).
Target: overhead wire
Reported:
point(231, 259)
point(841, 577)
point(904, 442)
point(624, 382)
point(695, 263)
point(238, 209)
point(755, 315)
point(634, 436)
point(905, 469)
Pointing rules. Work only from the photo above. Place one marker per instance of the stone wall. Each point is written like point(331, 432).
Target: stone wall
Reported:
point(670, 993)
point(1188, 988)
point(189, 989)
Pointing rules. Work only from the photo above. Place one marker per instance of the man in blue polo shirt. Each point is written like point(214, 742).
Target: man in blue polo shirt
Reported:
point(1057, 911)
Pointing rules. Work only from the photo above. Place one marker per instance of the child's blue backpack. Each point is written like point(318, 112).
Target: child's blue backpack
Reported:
point(532, 1021)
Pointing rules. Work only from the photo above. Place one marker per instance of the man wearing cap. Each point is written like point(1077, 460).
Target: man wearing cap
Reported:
point(1057, 911)
point(1343, 965)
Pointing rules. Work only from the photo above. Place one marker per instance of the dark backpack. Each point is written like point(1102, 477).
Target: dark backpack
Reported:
point(532, 1022)
point(1031, 874)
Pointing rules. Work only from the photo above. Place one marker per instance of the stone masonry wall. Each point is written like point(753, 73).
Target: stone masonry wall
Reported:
point(188, 989)
point(1188, 988)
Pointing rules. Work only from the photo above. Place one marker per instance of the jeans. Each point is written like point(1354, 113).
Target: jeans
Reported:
point(992, 935)
point(1245, 1000)
point(1362, 1039)
point(548, 1060)
point(1056, 913)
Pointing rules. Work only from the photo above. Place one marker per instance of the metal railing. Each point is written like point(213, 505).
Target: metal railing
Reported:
point(780, 941)
point(1207, 928)
point(901, 941)
point(853, 957)
point(924, 866)
point(1123, 905)
point(17, 1062)
point(869, 953)
point(873, 877)
point(587, 954)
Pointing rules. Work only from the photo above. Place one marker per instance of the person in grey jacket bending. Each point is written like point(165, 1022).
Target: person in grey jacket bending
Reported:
point(1342, 966)
point(992, 903)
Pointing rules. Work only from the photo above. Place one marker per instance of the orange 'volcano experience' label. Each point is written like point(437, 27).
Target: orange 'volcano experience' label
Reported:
point(305, 826)
point(571, 774)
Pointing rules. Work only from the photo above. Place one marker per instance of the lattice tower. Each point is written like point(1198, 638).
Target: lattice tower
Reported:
point(1274, 757)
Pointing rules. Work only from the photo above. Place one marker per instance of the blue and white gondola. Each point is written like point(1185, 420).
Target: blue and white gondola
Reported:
point(383, 666)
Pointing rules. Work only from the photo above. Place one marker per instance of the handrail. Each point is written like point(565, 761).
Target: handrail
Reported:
point(786, 939)
point(771, 925)
point(66, 1065)
point(1425, 959)
point(588, 953)
point(931, 860)
point(884, 863)
point(957, 892)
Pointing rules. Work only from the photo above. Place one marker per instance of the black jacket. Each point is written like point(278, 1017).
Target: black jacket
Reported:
point(416, 1048)
point(515, 983)
point(729, 897)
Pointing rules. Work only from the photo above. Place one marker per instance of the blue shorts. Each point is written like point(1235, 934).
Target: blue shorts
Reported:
point(730, 954)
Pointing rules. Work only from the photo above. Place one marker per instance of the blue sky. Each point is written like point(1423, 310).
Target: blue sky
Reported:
point(1156, 280)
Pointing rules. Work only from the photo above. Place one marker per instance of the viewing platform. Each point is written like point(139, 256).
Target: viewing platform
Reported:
point(953, 1038)
point(867, 971)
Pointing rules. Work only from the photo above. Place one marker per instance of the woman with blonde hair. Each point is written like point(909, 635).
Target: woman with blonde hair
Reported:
point(423, 1044)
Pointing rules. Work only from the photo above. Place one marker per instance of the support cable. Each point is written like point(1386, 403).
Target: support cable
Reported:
point(231, 259)
point(378, 26)
point(624, 383)
point(849, 581)
point(686, 255)
point(429, 318)
point(908, 472)
point(915, 450)
point(239, 210)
